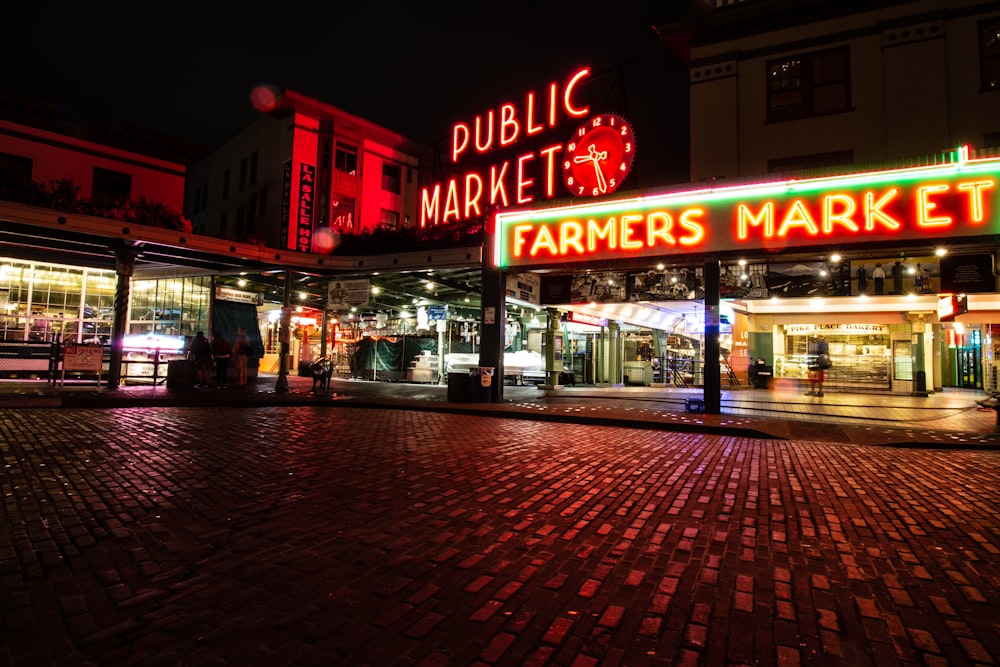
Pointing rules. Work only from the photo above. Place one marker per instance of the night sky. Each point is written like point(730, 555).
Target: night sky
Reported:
point(187, 69)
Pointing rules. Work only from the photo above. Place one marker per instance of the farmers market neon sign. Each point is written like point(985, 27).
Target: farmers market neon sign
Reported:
point(956, 199)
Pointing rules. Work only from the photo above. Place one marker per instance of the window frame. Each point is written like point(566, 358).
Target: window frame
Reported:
point(806, 85)
point(392, 178)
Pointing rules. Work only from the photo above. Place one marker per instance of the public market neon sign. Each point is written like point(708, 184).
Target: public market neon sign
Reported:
point(956, 199)
point(512, 181)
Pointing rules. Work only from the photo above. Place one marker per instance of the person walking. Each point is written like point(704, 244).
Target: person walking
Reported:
point(220, 353)
point(878, 275)
point(201, 353)
point(241, 353)
point(819, 360)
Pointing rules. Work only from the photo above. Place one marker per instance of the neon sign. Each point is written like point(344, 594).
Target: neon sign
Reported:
point(511, 181)
point(957, 199)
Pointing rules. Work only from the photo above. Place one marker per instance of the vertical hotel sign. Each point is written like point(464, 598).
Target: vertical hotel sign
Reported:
point(286, 198)
point(307, 187)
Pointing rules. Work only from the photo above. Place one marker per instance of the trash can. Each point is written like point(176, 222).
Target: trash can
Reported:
point(481, 384)
point(763, 377)
point(180, 374)
point(458, 387)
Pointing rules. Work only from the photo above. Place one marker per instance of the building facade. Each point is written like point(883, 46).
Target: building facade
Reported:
point(302, 174)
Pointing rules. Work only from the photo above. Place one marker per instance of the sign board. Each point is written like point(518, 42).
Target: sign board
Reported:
point(951, 200)
point(87, 358)
point(238, 296)
point(345, 294)
point(435, 313)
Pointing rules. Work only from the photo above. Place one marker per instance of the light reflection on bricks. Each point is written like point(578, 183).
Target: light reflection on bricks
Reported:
point(310, 536)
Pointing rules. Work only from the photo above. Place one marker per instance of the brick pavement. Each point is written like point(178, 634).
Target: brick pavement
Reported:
point(312, 536)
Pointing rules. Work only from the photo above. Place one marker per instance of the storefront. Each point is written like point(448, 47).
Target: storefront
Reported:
point(752, 271)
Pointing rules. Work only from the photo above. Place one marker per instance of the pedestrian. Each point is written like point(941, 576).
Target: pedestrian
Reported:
point(862, 280)
point(241, 353)
point(818, 361)
point(220, 353)
point(201, 353)
point(897, 277)
point(878, 275)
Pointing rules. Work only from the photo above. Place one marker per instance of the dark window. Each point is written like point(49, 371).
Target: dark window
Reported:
point(226, 178)
point(814, 161)
point(253, 168)
point(327, 158)
point(989, 54)
point(262, 199)
point(244, 164)
point(390, 178)
point(346, 159)
point(389, 219)
point(15, 171)
point(809, 84)
point(111, 186)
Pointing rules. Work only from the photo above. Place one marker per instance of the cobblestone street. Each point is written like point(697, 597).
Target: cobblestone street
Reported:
point(348, 536)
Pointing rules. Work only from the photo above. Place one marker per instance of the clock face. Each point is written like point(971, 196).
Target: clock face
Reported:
point(598, 156)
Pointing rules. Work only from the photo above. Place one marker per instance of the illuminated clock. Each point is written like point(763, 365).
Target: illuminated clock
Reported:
point(598, 156)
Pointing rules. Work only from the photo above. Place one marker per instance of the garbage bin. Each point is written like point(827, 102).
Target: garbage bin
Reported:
point(180, 374)
point(458, 387)
point(763, 377)
point(481, 384)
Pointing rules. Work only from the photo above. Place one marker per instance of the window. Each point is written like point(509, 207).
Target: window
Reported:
point(244, 165)
point(253, 168)
point(110, 186)
point(388, 219)
point(226, 178)
point(346, 159)
point(989, 54)
point(390, 178)
point(809, 84)
point(815, 161)
point(15, 171)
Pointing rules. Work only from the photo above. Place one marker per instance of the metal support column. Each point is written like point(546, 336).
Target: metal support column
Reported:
point(493, 316)
point(285, 335)
point(713, 369)
point(125, 257)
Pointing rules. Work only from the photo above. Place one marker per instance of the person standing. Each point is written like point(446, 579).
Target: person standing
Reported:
point(220, 352)
point(897, 277)
point(878, 275)
point(201, 352)
point(241, 354)
point(862, 280)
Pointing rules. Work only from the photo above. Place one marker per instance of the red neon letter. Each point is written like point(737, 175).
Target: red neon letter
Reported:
point(522, 182)
point(497, 186)
point(628, 242)
point(746, 219)
point(798, 216)
point(480, 146)
point(975, 189)
point(508, 121)
point(570, 235)
point(567, 102)
point(691, 222)
point(873, 211)
point(843, 218)
point(451, 202)
point(529, 121)
point(472, 201)
point(459, 140)
point(925, 206)
point(658, 224)
point(550, 169)
point(430, 209)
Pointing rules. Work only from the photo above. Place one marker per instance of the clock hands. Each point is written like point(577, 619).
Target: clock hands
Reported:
point(596, 157)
